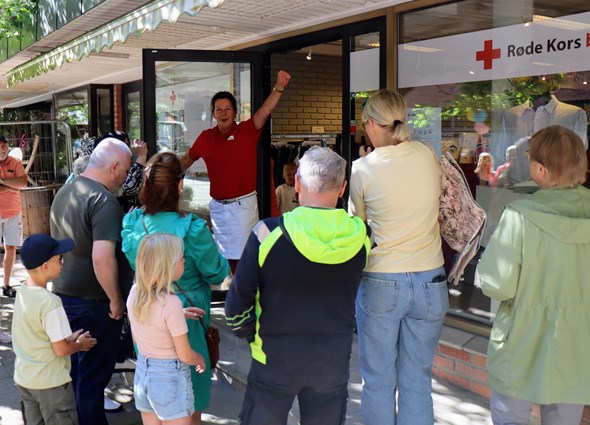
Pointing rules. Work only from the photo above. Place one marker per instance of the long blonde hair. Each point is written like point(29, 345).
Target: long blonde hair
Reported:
point(156, 260)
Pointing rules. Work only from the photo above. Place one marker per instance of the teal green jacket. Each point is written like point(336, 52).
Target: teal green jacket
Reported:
point(203, 264)
point(538, 265)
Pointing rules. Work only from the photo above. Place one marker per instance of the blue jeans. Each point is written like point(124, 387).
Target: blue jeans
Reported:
point(91, 370)
point(399, 320)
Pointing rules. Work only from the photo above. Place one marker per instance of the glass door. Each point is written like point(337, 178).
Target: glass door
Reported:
point(178, 87)
point(366, 77)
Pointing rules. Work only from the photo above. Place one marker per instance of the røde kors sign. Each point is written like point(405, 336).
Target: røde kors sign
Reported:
point(547, 47)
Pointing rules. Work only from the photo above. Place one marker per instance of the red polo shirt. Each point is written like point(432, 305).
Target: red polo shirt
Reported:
point(10, 199)
point(230, 159)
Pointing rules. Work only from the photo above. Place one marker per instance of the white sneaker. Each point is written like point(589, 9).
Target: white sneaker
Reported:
point(111, 405)
point(5, 338)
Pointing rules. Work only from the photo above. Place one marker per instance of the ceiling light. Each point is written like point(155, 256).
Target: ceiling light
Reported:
point(421, 49)
point(308, 57)
point(566, 24)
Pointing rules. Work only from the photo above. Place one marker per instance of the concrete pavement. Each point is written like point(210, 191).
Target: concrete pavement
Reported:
point(452, 405)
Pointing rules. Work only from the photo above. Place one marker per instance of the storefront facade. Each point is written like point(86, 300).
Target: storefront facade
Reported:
point(478, 76)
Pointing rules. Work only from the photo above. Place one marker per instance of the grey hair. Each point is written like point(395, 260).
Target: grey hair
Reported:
point(388, 110)
point(107, 152)
point(321, 169)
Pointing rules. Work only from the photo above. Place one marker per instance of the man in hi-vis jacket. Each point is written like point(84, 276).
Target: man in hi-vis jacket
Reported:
point(293, 298)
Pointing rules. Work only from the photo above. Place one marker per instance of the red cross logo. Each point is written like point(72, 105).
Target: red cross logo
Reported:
point(173, 98)
point(488, 54)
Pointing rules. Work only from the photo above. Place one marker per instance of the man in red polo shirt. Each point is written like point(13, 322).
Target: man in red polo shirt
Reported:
point(12, 178)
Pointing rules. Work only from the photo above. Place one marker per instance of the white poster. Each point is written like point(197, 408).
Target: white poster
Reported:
point(364, 70)
point(425, 125)
point(544, 46)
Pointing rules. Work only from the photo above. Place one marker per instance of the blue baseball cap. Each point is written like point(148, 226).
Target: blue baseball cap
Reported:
point(39, 249)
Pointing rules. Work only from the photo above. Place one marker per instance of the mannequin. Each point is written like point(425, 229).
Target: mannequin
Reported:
point(500, 176)
point(485, 167)
point(539, 112)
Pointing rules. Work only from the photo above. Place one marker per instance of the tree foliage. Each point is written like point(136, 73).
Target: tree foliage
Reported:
point(12, 14)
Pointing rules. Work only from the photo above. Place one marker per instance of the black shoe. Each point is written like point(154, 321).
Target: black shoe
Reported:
point(8, 291)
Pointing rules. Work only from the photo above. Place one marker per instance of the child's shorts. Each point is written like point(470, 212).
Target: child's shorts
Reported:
point(163, 386)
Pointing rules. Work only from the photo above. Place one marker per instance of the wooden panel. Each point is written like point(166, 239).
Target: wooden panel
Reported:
point(35, 203)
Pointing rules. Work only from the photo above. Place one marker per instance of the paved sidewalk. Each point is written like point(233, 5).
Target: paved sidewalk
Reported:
point(452, 405)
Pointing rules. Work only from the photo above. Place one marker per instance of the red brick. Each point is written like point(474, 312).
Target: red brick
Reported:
point(452, 378)
point(444, 363)
point(481, 389)
point(455, 353)
point(586, 415)
point(479, 361)
point(472, 373)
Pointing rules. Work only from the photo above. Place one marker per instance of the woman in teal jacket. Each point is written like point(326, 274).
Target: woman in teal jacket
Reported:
point(160, 196)
point(536, 264)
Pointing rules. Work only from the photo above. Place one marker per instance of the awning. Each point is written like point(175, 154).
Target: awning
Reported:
point(147, 17)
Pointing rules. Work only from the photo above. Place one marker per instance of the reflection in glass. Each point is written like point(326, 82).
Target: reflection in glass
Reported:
point(104, 110)
point(73, 108)
point(133, 115)
point(493, 117)
point(183, 96)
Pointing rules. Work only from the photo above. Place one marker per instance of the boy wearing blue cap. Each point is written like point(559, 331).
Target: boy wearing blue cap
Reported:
point(42, 338)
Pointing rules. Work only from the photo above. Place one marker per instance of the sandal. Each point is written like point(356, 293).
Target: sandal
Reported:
point(8, 291)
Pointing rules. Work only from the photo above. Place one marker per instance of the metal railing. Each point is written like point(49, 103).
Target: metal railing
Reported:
point(45, 147)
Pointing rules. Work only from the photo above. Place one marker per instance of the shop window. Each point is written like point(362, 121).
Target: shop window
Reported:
point(72, 107)
point(104, 111)
point(68, 11)
point(132, 104)
point(479, 79)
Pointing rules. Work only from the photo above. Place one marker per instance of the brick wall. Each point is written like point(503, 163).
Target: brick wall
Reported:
point(467, 370)
point(314, 96)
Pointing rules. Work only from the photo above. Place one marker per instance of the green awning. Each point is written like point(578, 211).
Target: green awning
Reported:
point(147, 17)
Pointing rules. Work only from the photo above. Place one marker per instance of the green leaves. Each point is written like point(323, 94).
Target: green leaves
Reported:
point(12, 14)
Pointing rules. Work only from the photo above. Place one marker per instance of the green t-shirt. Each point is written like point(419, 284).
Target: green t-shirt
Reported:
point(39, 319)
point(86, 211)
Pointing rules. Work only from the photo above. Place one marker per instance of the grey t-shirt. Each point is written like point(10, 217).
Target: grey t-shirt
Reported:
point(85, 211)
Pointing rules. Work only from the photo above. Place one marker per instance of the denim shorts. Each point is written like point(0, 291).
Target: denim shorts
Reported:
point(163, 386)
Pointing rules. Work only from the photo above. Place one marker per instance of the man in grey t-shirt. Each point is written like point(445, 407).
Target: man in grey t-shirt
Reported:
point(95, 272)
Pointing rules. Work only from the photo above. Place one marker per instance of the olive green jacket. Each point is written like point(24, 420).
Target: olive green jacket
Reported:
point(538, 265)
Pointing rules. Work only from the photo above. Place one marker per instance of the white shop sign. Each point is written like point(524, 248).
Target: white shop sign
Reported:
point(546, 46)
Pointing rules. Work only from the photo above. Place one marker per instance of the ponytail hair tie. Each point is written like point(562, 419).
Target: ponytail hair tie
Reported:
point(396, 123)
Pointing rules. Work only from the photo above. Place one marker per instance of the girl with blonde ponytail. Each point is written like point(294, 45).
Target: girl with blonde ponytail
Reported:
point(162, 385)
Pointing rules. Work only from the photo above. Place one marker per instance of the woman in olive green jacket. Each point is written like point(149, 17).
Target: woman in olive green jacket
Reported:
point(538, 265)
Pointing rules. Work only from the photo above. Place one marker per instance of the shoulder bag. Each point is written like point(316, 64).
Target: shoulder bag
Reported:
point(211, 334)
point(461, 219)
